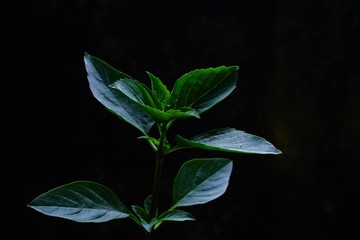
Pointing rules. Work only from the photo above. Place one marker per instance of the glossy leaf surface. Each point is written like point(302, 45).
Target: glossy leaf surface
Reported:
point(201, 180)
point(201, 89)
point(143, 216)
point(159, 91)
point(138, 94)
point(100, 75)
point(81, 201)
point(142, 98)
point(176, 215)
point(229, 140)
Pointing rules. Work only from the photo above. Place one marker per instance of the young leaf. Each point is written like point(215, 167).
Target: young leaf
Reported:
point(201, 89)
point(147, 204)
point(140, 212)
point(159, 91)
point(228, 140)
point(185, 112)
point(148, 226)
point(200, 181)
point(136, 93)
point(176, 215)
point(143, 216)
point(100, 75)
point(81, 201)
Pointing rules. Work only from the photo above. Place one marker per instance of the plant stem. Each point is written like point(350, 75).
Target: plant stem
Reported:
point(158, 170)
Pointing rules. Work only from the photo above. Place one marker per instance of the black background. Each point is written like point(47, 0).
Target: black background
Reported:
point(298, 87)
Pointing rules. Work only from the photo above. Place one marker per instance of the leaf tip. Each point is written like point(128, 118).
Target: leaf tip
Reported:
point(278, 151)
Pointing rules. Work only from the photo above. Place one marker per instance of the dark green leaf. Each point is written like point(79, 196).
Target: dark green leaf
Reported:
point(141, 97)
point(200, 181)
point(159, 91)
point(100, 76)
point(81, 201)
point(140, 212)
point(143, 216)
point(135, 91)
point(184, 112)
point(229, 140)
point(138, 94)
point(147, 204)
point(174, 215)
point(201, 89)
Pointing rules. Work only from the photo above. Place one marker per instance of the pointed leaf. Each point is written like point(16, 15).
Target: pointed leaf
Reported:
point(143, 216)
point(148, 226)
point(159, 91)
point(140, 212)
point(100, 75)
point(139, 95)
point(147, 205)
point(81, 201)
point(229, 140)
point(203, 88)
point(201, 180)
point(185, 112)
point(136, 93)
point(176, 215)
point(134, 90)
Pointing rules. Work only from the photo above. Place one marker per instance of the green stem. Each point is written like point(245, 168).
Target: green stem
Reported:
point(158, 170)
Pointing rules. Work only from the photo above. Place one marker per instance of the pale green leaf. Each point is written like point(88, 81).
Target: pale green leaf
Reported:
point(200, 181)
point(100, 75)
point(176, 215)
point(228, 140)
point(81, 201)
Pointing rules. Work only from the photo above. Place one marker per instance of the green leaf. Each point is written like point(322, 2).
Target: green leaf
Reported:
point(136, 93)
point(100, 75)
point(143, 216)
point(148, 226)
point(176, 215)
point(228, 140)
point(147, 204)
point(81, 201)
point(201, 89)
point(200, 181)
point(140, 212)
point(159, 91)
point(184, 112)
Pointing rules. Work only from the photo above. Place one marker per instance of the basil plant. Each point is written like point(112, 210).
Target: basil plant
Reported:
point(198, 180)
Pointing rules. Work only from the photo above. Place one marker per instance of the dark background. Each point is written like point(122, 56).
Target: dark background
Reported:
point(298, 87)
